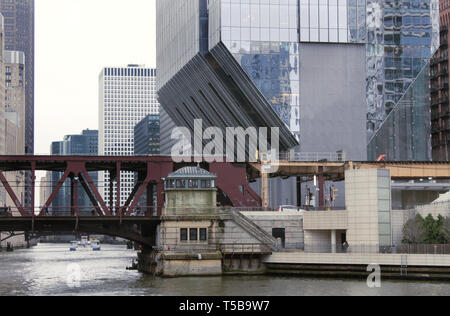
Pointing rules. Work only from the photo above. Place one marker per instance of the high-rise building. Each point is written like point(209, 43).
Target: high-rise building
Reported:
point(14, 65)
point(19, 36)
point(343, 76)
point(85, 144)
point(45, 188)
point(2, 89)
point(15, 98)
point(401, 39)
point(147, 136)
point(12, 120)
point(126, 96)
point(440, 107)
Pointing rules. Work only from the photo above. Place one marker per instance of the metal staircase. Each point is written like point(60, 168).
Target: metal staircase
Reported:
point(256, 231)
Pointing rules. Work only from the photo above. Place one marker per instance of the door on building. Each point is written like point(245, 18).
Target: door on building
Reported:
point(280, 233)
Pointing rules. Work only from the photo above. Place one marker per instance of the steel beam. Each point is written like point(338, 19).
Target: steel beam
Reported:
point(96, 193)
point(54, 193)
point(33, 188)
point(118, 169)
point(12, 195)
point(91, 197)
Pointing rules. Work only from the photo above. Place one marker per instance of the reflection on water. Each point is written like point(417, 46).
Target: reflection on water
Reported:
point(43, 270)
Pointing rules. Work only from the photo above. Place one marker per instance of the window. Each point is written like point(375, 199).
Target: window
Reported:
point(181, 184)
point(205, 184)
point(183, 234)
point(203, 234)
point(193, 184)
point(193, 234)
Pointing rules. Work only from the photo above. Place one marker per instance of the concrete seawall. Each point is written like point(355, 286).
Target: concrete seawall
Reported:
point(355, 265)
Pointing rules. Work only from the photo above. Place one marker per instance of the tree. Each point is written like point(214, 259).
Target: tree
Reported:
point(414, 231)
point(434, 230)
point(446, 230)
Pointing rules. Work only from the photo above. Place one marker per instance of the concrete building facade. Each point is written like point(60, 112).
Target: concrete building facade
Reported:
point(12, 115)
point(19, 36)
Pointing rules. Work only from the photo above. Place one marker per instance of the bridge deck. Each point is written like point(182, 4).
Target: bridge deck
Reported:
point(71, 223)
point(336, 170)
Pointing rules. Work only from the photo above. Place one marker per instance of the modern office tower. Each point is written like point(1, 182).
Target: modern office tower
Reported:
point(402, 37)
point(85, 144)
point(440, 108)
point(19, 36)
point(256, 72)
point(126, 96)
point(147, 136)
point(343, 76)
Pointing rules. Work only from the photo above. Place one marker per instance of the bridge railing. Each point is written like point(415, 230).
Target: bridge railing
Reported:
point(254, 209)
point(236, 248)
point(228, 249)
point(311, 156)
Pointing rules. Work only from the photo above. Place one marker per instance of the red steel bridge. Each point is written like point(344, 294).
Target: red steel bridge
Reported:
point(110, 217)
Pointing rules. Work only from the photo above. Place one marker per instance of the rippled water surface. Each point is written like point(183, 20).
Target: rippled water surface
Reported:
point(50, 269)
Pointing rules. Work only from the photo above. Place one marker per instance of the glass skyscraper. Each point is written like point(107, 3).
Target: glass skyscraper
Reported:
point(85, 144)
point(402, 36)
point(335, 75)
point(147, 136)
point(265, 37)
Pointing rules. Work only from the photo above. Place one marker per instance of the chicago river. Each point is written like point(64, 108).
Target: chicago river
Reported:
point(51, 269)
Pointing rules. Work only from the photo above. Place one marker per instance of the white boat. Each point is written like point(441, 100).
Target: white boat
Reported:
point(84, 241)
point(96, 245)
point(74, 246)
point(85, 244)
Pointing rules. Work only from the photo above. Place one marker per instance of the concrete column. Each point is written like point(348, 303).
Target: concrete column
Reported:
point(333, 241)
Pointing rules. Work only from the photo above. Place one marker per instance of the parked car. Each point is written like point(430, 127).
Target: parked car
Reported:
point(284, 208)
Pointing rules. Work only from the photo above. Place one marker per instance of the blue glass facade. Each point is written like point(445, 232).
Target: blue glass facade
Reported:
point(85, 144)
point(265, 37)
point(147, 136)
point(402, 37)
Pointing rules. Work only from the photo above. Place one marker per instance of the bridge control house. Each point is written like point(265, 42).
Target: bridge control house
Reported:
point(190, 189)
point(196, 237)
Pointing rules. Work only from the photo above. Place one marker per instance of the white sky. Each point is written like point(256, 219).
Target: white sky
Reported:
point(74, 40)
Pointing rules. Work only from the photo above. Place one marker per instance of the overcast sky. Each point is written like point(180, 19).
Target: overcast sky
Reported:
point(75, 39)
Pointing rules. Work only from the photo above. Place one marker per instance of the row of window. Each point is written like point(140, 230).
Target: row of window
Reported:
point(193, 234)
point(130, 72)
point(191, 184)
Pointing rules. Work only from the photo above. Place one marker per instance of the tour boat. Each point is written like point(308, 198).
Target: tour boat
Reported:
point(74, 246)
point(96, 245)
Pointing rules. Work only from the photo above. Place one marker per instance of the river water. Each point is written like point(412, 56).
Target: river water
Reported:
point(50, 269)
